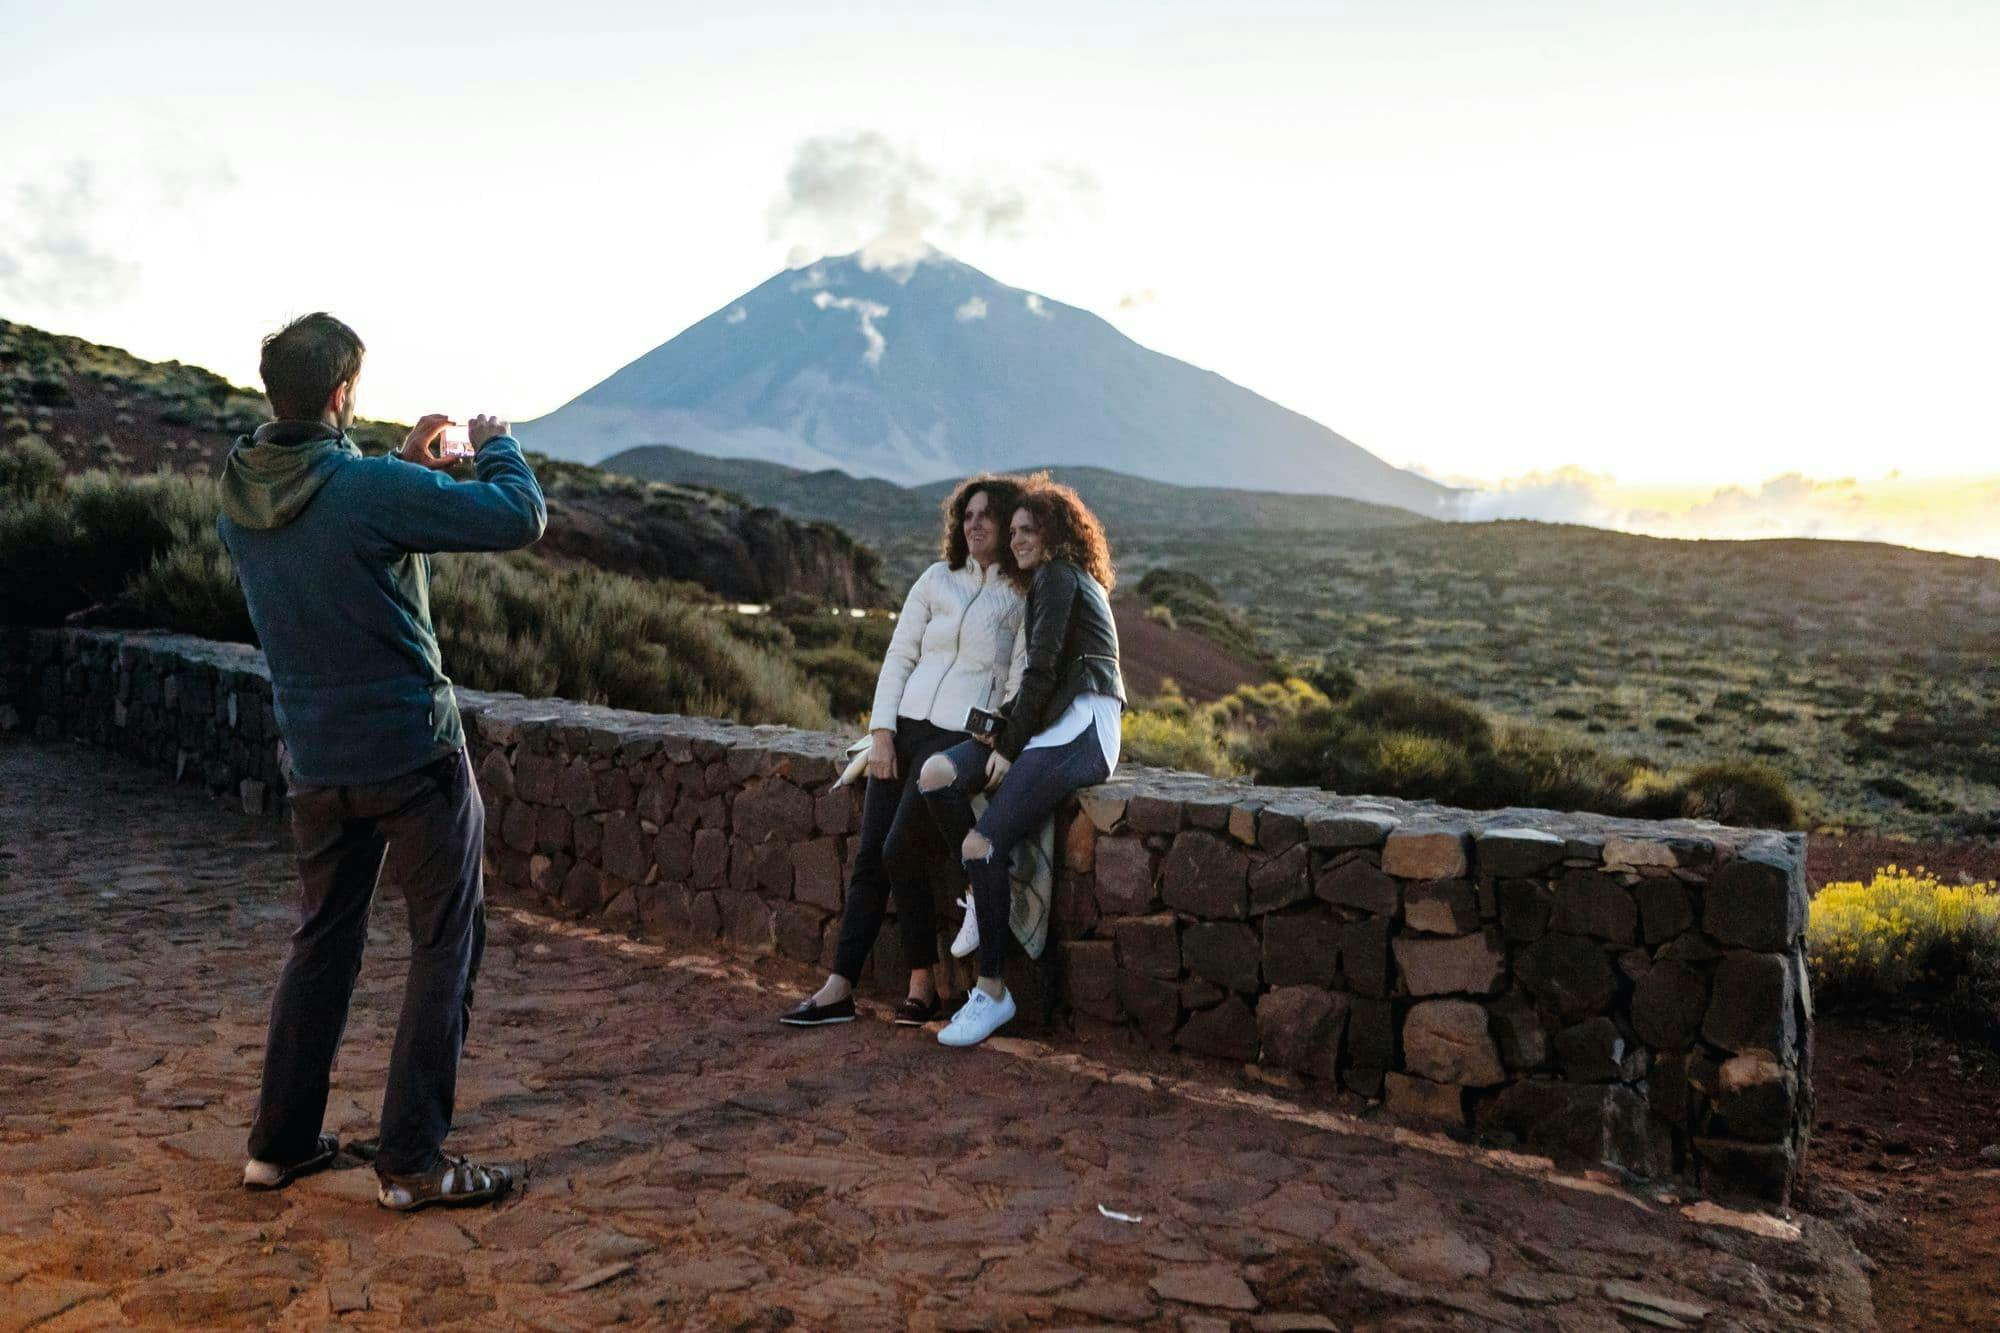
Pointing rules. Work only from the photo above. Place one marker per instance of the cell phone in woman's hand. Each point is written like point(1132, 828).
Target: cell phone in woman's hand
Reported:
point(455, 441)
point(979, 722)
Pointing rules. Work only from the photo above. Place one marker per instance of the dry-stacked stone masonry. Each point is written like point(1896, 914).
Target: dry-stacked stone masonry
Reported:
point(1626, 992)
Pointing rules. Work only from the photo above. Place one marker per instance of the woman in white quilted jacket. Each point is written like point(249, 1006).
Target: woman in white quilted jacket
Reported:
point(958, 646)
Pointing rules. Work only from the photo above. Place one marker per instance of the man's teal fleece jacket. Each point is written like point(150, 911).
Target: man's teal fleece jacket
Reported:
point(332, 548)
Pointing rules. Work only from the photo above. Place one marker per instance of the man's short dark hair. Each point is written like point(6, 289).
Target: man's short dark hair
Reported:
point(305, 361)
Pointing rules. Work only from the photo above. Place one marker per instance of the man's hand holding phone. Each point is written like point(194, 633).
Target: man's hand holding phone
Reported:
point(438, 442)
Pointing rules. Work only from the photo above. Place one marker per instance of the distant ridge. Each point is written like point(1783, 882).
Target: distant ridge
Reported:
point(935, 370)
point(881, 511)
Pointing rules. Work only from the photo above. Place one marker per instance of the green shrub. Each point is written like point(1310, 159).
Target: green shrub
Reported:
point(847, 677)
point(1743, 792)
point(1402, 706)
point(1174, 741)
point(29, 467)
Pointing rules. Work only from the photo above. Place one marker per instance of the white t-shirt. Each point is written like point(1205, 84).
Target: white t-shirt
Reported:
point(1085, 709)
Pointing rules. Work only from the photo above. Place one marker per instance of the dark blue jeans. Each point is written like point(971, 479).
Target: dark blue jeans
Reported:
point(426, 830)
point(1029, 794)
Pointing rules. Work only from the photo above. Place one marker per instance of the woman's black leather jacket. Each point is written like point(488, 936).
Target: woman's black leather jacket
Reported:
point(1072, 650)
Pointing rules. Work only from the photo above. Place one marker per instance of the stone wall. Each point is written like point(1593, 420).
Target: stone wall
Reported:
point(1616, 991)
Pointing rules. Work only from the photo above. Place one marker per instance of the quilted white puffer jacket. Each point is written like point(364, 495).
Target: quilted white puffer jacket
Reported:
point(959, 644)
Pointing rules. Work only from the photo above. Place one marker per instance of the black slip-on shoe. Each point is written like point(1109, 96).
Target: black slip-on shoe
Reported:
point(915, 1013)
point(810, 1015)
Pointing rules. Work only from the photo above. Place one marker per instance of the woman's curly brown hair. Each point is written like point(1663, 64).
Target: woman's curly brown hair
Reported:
point(1002, 495)
point(1069, 530)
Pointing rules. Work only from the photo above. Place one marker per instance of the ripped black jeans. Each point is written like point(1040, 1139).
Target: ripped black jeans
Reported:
point(1029, 794)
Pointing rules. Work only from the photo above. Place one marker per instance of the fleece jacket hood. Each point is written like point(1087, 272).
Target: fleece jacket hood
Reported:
point(272, 475)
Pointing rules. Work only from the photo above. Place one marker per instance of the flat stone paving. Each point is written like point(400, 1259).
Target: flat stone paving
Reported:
point(689, 1163)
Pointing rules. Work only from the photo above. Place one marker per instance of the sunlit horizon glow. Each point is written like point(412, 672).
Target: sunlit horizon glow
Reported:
point(1673, 253)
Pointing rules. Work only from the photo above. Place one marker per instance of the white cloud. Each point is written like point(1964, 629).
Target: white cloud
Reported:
point(861, 191)
point(1934, 513)
point(974, 308)
point(1036, 306)
point(56, 260)
point(867, 312)
point(736, 316)
point(1133, 300)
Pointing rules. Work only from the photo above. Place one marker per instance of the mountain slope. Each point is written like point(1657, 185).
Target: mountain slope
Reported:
point(882, 511)
point(936, 370)
point(99, 406)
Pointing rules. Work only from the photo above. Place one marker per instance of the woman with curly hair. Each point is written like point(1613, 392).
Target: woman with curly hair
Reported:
point(958, 646)
point(1061, 729)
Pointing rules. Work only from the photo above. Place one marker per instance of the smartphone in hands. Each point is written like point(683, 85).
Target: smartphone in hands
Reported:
point(455, 441)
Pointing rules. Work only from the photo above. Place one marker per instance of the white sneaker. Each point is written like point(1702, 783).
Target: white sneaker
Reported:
point(981, 1017)
point(967, 943)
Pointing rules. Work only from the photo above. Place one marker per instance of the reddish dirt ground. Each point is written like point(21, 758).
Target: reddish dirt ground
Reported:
point(1149, 653)
point(1857, 856)
point(1903, 1117)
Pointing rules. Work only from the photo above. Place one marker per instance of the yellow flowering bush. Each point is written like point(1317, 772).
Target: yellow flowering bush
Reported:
point(1904, 933)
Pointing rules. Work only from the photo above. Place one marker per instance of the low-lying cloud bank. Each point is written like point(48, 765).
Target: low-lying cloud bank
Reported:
point(1957, 514)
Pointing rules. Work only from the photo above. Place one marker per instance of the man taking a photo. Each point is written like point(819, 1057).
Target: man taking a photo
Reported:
point(333, 552)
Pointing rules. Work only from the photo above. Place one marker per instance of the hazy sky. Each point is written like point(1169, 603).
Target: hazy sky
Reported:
point(1685, 250)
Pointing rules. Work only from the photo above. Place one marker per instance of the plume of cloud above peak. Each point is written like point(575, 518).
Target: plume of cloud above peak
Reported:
point(863, 192)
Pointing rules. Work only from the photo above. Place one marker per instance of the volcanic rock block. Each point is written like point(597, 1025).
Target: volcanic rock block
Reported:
point(772, 808)
point(1359, 883)
point(1668, 1003)
point(1756, 1098)
point(1518, 1031)
point(1155, 1005)
point(1752, 1004)
point(1450, 1041)
point(1434, 854)
point(1441, 907)
point(1516, 853)
point(1281, 881)
point(1206, 876)
point(1371, 1032)
point(1228, 1031)
point(1587, 1122)
point(746, 920)
point(1423, 1101)
point(673, 853)
point(1568, 973)
point(1757, 901)
point(1364, 955)
point(624, 850)
point(1150, 945)
point(1300, 1028)
point(1591, 1052)
point(1589, 903)
point(1223, 952)
point(711, 858)
point(1469, 964)
point(816, 873)
point(1152, 814)
point(1525, 909)
point(1353, 829)
point(798, 927)
point(1126, 883)
point(1301, 948)
point(1664, 909)
point(1091, 978)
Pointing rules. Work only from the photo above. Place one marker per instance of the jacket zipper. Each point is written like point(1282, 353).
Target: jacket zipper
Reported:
point(957, 642)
